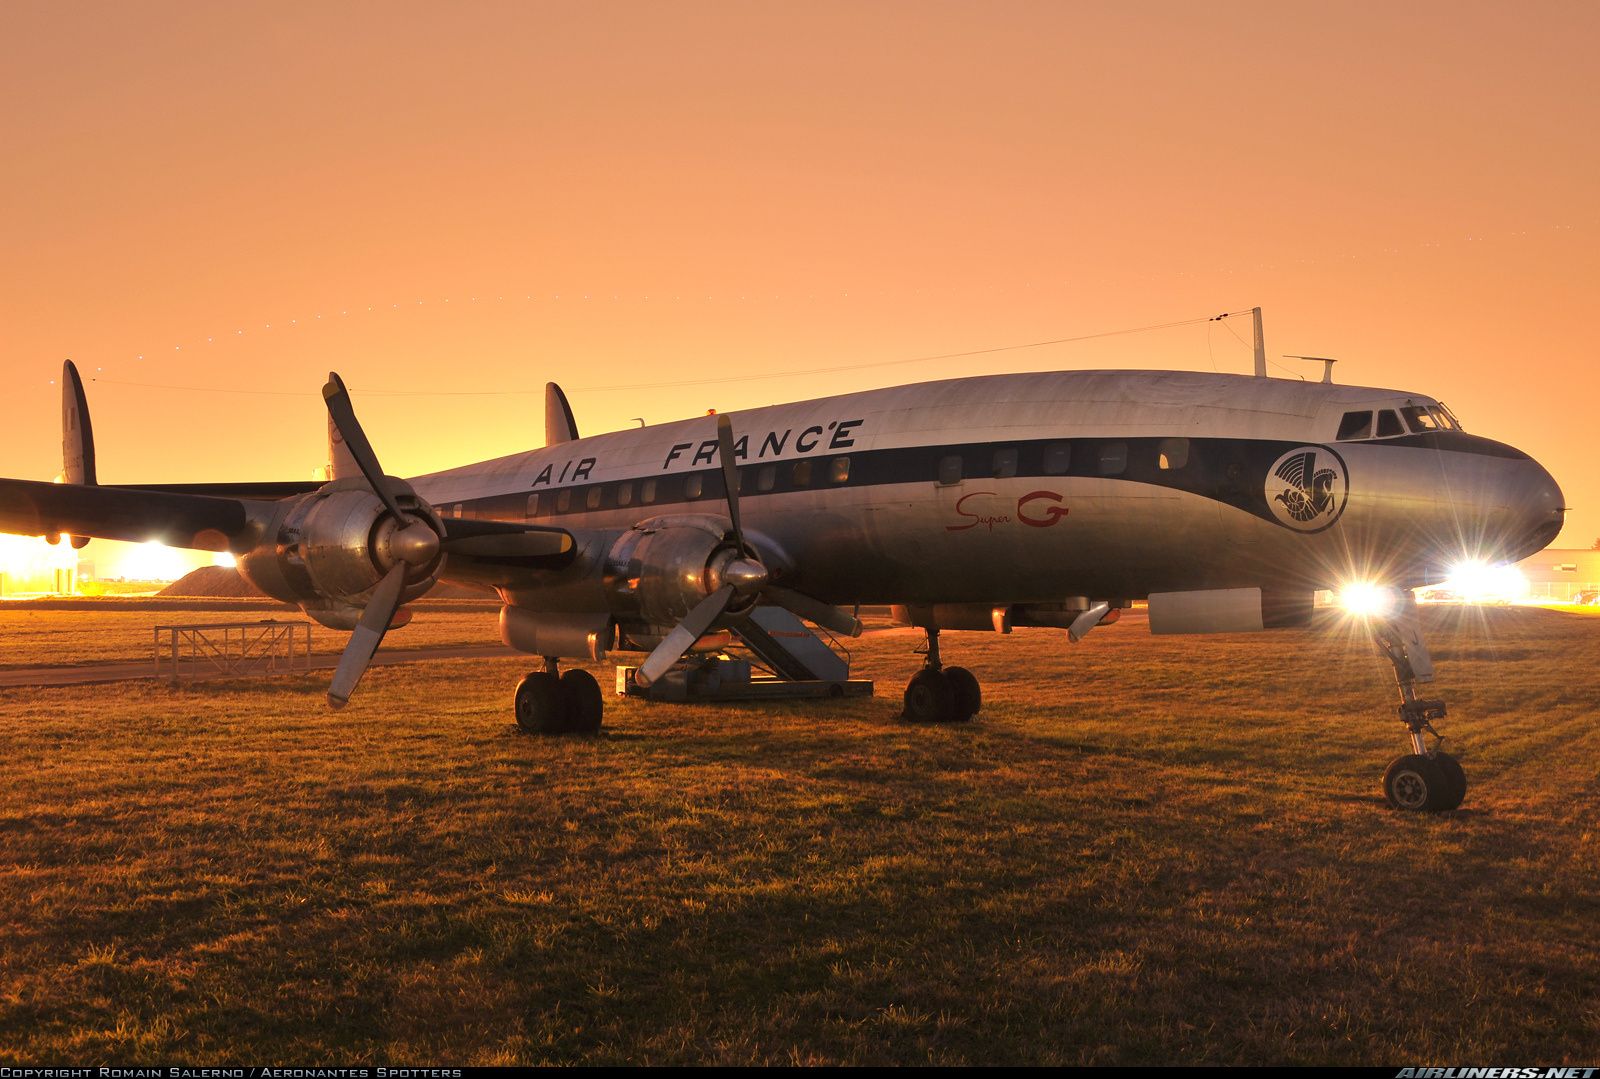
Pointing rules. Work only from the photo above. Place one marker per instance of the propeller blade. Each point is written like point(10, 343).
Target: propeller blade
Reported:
point(825, 615)
point(368, 635)
point(683, 635)
point(343, 412)
point(730, 476)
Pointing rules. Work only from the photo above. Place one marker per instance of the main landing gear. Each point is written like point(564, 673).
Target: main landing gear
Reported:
point(940, 694)
point(566, 704)
point(1426, 778)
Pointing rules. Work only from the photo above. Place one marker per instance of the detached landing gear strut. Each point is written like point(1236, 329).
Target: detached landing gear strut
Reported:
point(566, 704)
point(1424, 779)
point(940, 694)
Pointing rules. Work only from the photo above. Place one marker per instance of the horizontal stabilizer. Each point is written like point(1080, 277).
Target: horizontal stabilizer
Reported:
point(32, 508)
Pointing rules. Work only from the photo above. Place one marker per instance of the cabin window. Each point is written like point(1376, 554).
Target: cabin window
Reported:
point(694, 486)
point(594, 497)
point(1005, 463)
point(1355, 425)
point(950, 469)
point(1057, 458)
point(839, 470)
point(625, 494)
point(533, 505)
point(647, 491)
point(564, 500)
point(1113, 458)
point(1172, 453)
point(1389, 424)
point(766, 477)
point(802, 473)
point(456, 512)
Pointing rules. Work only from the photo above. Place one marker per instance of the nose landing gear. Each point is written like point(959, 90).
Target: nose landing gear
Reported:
point(1426, 778)
point(940, 694)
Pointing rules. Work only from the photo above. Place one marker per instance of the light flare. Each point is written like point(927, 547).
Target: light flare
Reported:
point(1364, 599)
point(1477, 581)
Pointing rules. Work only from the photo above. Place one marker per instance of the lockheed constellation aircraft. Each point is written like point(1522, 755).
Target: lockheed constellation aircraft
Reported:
point(1049, 499)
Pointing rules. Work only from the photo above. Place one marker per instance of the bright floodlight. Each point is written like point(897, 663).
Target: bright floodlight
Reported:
point(1479, 582)
point(1366, 600)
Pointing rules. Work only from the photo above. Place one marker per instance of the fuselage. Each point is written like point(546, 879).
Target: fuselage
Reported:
point(1031, 487)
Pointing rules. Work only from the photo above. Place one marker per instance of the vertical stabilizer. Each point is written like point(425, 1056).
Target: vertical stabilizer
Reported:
point(559, 426)
point(1261, 344)
point(77, 433)
point(341, 462)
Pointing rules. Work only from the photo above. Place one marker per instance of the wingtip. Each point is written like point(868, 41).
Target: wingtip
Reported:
point(337, 703)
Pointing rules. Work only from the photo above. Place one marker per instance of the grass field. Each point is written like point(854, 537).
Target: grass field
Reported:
point(1148, 850)
point(31, 637)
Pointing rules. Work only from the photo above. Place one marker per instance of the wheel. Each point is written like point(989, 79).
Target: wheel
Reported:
point(1415, 783)
point(540, 709)
point(1455, 780)
point(584, 705)
point(969, 697)
point(930, 698)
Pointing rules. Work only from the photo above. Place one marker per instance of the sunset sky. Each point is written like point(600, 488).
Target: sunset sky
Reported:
point(211, 206)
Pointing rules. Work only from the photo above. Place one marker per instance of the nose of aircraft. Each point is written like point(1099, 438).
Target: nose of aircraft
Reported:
point(1504, 507)
point(1538, 510)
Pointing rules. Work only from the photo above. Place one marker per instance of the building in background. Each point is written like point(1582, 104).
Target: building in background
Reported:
point(1561, 575)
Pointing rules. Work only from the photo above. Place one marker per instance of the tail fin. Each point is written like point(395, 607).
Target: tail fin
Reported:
point(341, 462)
point(559, 426)
point(77, 433)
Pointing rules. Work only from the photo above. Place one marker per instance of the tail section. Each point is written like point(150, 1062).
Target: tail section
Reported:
point(341, 463)
point(77, 433)
point(77, 436)
point(559, 426)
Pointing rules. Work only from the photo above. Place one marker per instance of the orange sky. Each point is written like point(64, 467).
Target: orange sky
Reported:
point(614, 194)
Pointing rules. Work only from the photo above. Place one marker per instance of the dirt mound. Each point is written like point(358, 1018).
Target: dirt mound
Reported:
point(224, 582)
point(213, 582)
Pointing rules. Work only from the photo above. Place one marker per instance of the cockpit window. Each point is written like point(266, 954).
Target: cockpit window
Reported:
point(1419, 420)
point(1355, 425)
point(1389, 424)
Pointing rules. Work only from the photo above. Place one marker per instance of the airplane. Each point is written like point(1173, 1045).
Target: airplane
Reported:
point(1057, 499)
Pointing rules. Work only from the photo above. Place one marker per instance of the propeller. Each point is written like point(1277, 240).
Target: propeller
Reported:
point(742, 576)
point(412, 545)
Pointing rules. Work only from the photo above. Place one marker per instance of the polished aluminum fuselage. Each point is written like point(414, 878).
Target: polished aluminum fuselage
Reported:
point(1011, 524)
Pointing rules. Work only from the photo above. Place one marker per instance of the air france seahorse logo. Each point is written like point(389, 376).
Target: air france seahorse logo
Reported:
point(1307, 488)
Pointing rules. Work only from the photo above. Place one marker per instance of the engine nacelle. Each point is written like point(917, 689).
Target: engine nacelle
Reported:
point(327, 551)
point(659, 569)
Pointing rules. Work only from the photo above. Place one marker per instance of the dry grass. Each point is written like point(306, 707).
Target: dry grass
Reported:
point(31, 637)
point(1149, 850)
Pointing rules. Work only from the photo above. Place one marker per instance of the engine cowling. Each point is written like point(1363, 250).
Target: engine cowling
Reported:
point(659, 569)
point(327, 551)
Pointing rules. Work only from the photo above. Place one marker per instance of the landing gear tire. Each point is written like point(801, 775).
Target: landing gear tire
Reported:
point(1417, 783)
point(930, 698)
point(1455, 780)
point(540, 706)
point(968, 695)
point(584, 704)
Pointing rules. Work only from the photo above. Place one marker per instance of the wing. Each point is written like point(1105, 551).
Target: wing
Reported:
point(201, 522)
